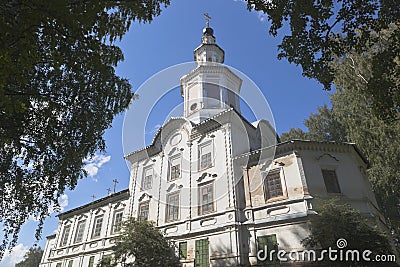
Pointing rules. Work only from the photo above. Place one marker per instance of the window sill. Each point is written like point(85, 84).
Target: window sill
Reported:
point(275, 199)
point(205, 168)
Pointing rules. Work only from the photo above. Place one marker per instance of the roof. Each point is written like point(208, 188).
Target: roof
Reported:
point(51, 236)
point(210, 122)
point(295, 143)
point(99, 202)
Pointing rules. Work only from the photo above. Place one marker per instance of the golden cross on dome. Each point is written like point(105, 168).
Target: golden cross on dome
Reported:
point(207, 20)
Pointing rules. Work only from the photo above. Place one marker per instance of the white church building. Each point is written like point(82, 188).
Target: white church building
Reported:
point(219, 186)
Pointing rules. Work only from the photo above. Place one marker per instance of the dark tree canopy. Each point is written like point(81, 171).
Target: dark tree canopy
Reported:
point(142, 241)
point(352, 119)
point(58, 94)
point(294, 133)
point(32, 258)
point(337, 220)
point(320, 32)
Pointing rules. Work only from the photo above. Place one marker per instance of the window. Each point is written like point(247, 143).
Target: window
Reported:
point(172, 207)
point(202, 257)
point(205, 156)
point(71, 263)
point(269, 242)
point(331, 181)
point(147, 179)
point(143, 211)
point(273, 186)
point(117, 226)
point(79, 231)
point(211, 95)
point(230, 98)
point(58, 264)
point(174, 168)
point(206, 199)
point(98, 222)
point(65, 235)
point(183, 250)
point(91, 261)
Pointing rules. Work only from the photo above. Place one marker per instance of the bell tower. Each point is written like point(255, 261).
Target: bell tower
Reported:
point(211, 87)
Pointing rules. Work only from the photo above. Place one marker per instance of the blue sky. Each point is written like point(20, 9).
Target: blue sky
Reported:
point(170, 39)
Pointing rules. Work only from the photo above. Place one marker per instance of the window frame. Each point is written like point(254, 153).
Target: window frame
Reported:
point(141, 205)
point(267, 192)
point(80, 231)
point(65, 237)
point(96, 227)
point(200, 155)
point(118, 225)
point(210, 91)
point(169, 206)
point(201, 204)
point(170, 166)
point(91, 261)
point(182, 254)
point(145, 185)
point(335, 181)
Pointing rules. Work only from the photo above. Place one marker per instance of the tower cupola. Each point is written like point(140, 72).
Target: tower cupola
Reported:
point(211, 87)
point(208, 51)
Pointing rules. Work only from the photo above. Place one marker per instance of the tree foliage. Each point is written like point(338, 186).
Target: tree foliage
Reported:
point(378, 139)
point(294, 133)
point(32, 258)
point(143, 242)
point(336, 221)
point(58, 94)
point(319, 32)
point(322, 126)
point(352, 119)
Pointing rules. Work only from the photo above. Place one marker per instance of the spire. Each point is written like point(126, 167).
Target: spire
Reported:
point(208, 32)
point(211, 87)
point(208, 51)
point(207, 20)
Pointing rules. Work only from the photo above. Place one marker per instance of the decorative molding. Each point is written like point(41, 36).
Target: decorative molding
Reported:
point(172, 151)
point(207, 222)
point(116, 206)
point(99, 210)
point(202, 177)
point(171, 186)
point(326, 154)
point(144, 195)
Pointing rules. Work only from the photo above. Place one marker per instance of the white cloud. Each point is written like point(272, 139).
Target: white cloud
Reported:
point(16, 255)
point(63, 201)
point(260, 14)
point(94, 164)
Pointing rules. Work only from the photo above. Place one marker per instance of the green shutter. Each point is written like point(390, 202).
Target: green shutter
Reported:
point(91, 261)
point(58, 264)
point(183, 250)
point(271, 243)
point(202, 258)
point(71, 263)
